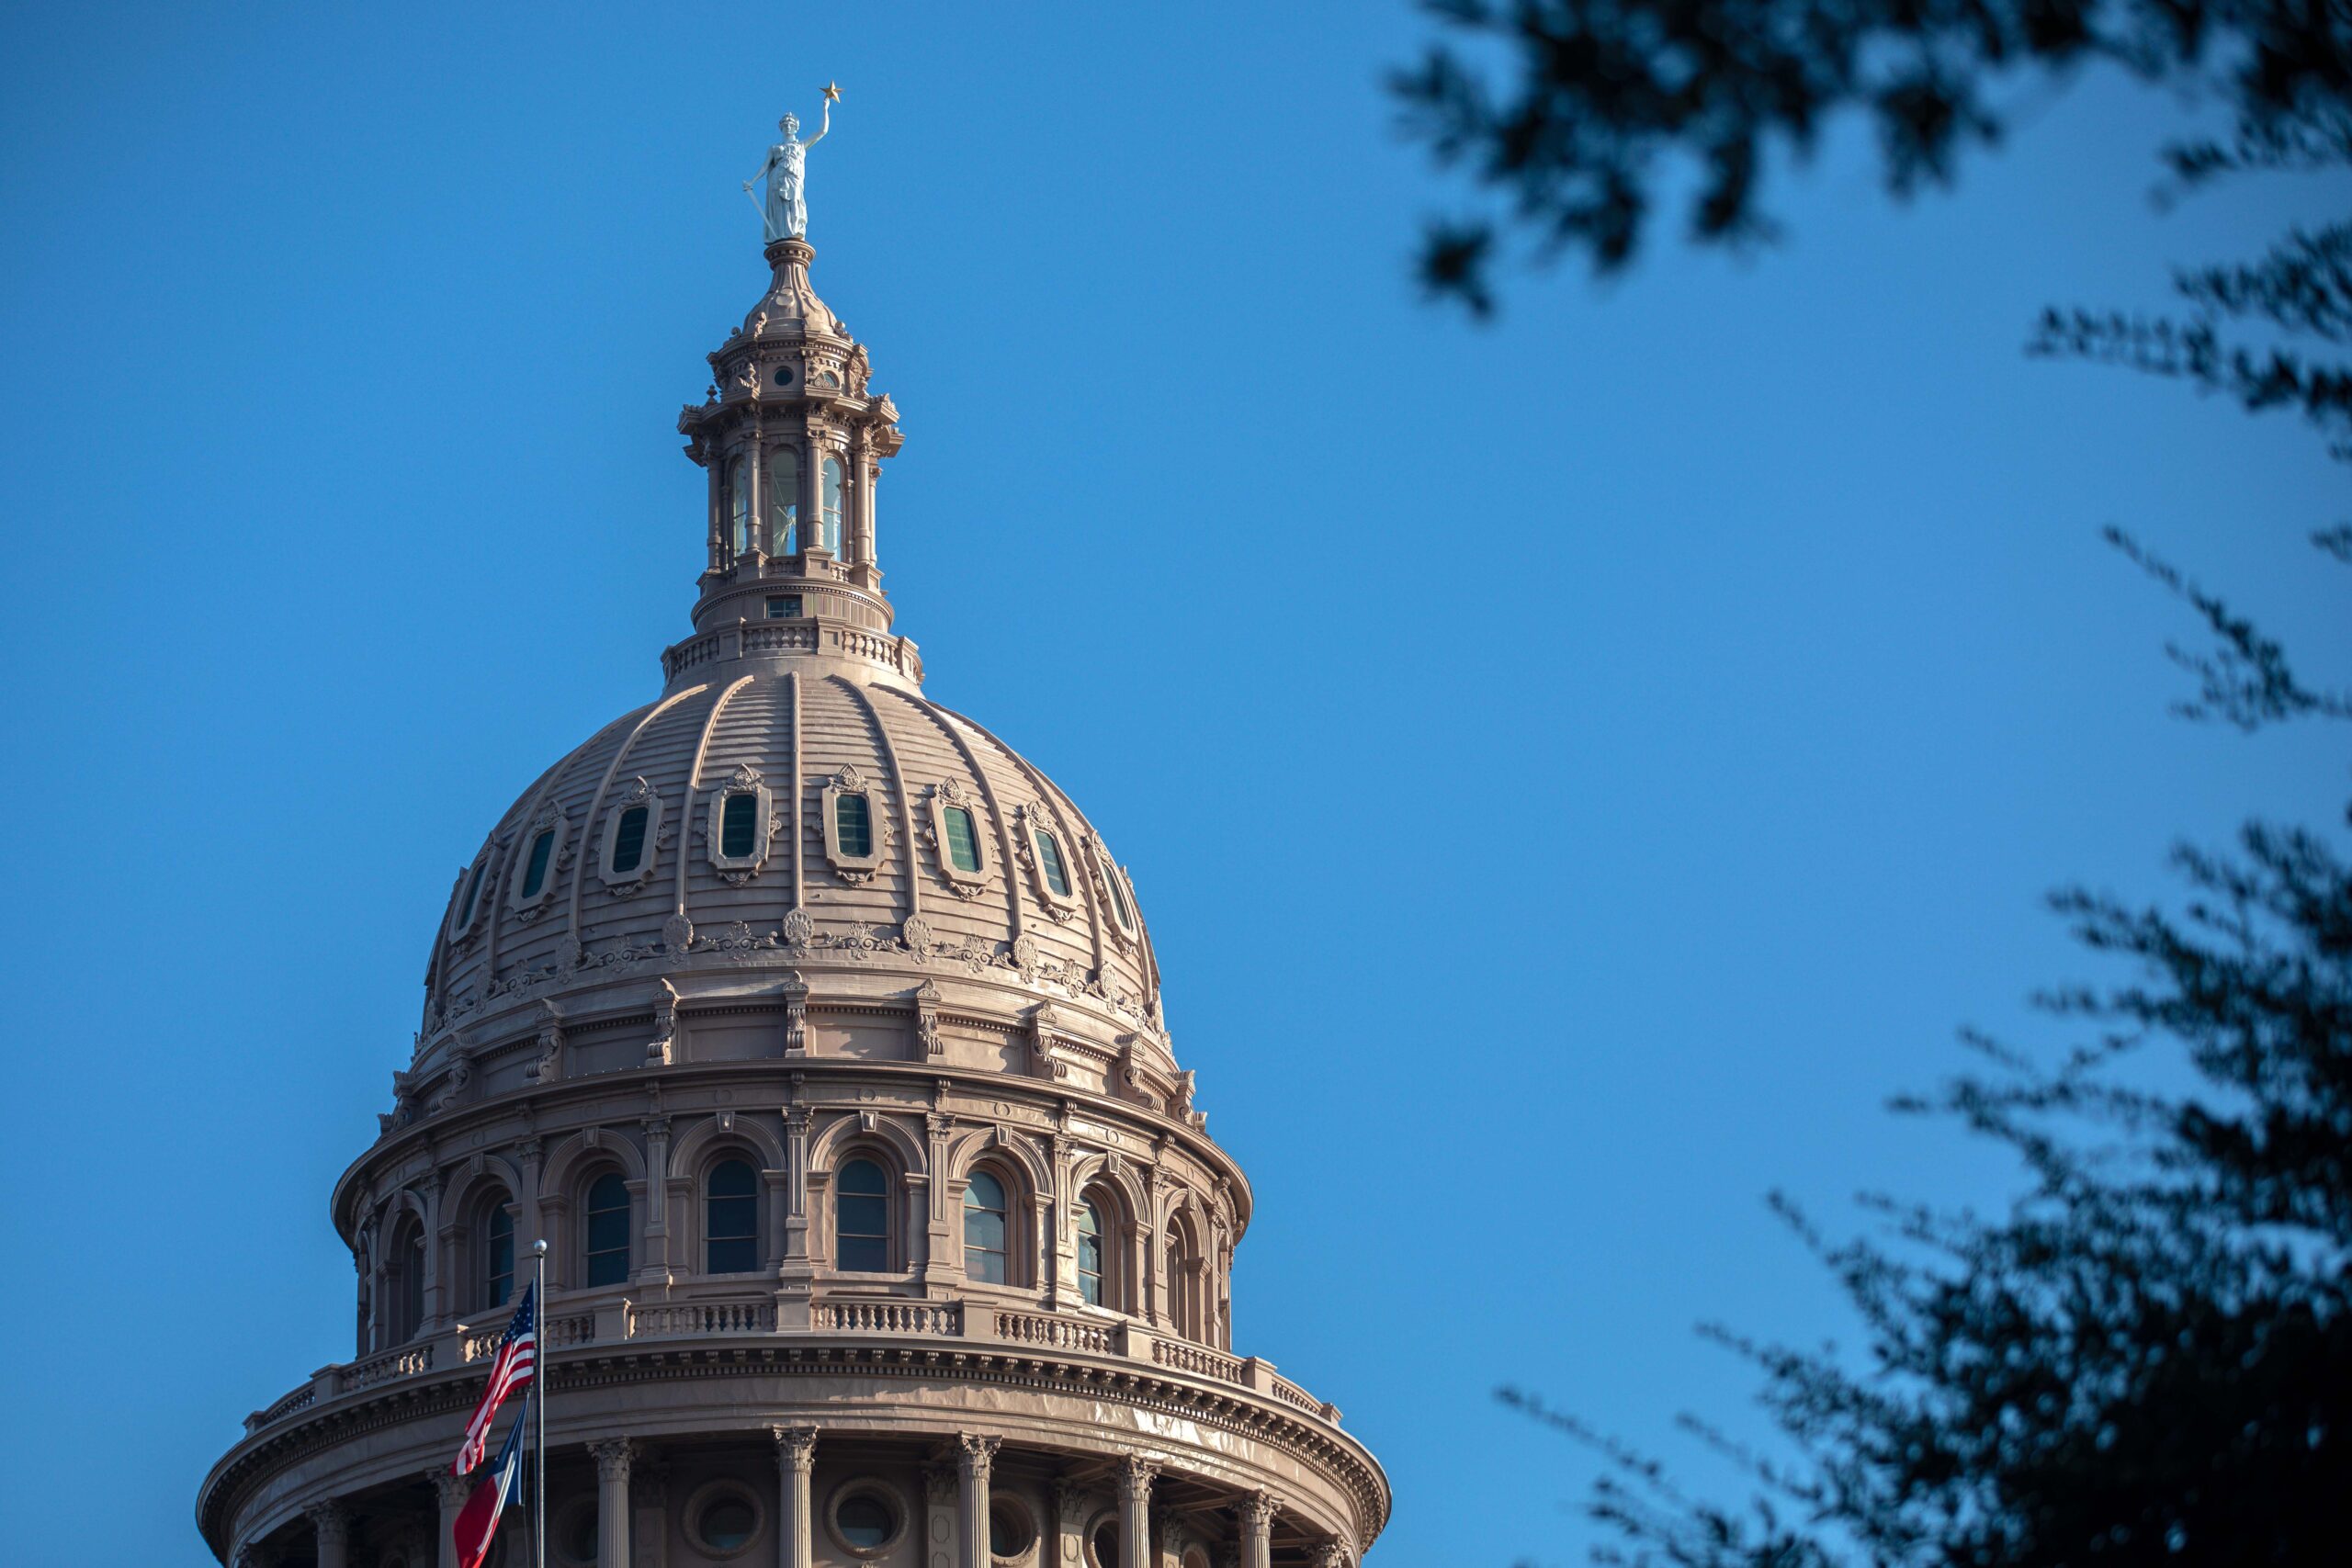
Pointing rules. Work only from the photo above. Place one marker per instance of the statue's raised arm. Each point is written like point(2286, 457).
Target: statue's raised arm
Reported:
point(786, 168)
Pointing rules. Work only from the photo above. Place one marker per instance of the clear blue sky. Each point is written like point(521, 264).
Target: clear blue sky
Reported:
point(1575, 770)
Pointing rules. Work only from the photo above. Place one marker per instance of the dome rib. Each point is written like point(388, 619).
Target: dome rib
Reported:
point(604, 787)
point(694, 788)
point(912, 876)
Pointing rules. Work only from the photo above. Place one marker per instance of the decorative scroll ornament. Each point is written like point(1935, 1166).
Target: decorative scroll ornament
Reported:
point(549, 1066)
point(796, 1014)
point(658, 1051)
point(927, 1019)
point(1042, 1024)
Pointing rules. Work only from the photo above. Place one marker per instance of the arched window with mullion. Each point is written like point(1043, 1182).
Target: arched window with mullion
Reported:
point(497, 1254)
point(862, 1218)
point(832, 536)
point(604, 1258)
point(988, 1224)
point(784, 501)
point(1094, 1281)
point(738, 504)
point(730, 1219)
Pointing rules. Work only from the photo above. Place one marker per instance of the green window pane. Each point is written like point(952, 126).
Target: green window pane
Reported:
point(1049, 860)
point(730, 1220)
point(628, 840)
point(784, 501)
point(738, 504)
point(854, 825)
point(534, 875)
point(832, 536)
point(862, 1218)
point(963, 840)
point(726, 1525)
point(1118, 897)
point(736, 825)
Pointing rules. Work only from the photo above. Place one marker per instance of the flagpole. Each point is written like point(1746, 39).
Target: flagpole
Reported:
point(539, 1415)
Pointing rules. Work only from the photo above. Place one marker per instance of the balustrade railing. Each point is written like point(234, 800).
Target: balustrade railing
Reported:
point(759, 1315)
point(888, 1316)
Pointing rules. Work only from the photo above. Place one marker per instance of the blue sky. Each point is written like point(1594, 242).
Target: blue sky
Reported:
point(1576, 769)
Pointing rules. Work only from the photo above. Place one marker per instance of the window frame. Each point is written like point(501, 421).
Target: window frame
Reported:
point(1110, 1249)
point(1012, 1250)
point(702, 1498)
point(496, 1207)
point(740, 868)
point(553, 824)
point(852, 868)
point(468, 899)
point(789, 545)
point(1035, 821)
point(639, 794)
point(742, 528)
point(937, 802)
point(831, 519)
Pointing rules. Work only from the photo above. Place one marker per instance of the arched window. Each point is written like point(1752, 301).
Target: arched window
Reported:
point(784, 501)
point(497, 1254)
point(606, 1254)
point(987, 1225)
point(862, 1218)
point(854, 824)
point(730, 1210)
point(1092, 1276)
point(738, 504)
point(405, 1293)
point(831, 538)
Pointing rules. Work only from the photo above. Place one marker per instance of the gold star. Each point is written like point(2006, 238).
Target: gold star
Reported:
point(833, 93)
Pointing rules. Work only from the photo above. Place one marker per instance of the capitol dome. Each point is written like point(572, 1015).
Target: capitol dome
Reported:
point(820, 1035)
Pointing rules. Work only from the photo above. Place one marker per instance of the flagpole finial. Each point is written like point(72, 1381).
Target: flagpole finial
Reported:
point(539, 1250)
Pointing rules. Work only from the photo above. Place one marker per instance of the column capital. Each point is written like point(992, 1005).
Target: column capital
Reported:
point(939, 1484)
point(613, 1457)
point(795, 1447)
point(1259, 1508)
point(331, 1520)
point(975, 1453)
point(1069, 1502)
point(452, 1490)
point(1135, 1476)
point(1327, 1554)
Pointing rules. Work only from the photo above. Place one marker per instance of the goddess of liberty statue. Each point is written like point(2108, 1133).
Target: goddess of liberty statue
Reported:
point(787, 172)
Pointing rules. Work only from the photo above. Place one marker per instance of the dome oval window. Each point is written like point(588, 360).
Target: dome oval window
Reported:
point(737, 825)
point(1119, 905)
point(963, 838)
point(462, 921)
point(1050, 864)
point(535, 870)
point(854, 823)
point(628, 839)
point(862, 1218)
point(730, 1220)
point(987, 1225)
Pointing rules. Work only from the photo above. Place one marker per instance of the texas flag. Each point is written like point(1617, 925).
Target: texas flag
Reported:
point(478, 1521)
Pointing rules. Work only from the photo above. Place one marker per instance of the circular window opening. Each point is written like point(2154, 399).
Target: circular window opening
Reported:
point(1010, 1533)
point(865, 1519)
point(575, 1535)
point(727, 1523)
point(1104, 1544)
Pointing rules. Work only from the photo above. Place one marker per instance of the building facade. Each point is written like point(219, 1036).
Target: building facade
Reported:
point(820, 1035)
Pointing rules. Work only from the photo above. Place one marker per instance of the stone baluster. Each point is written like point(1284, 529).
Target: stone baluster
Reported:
point(1257, 1512)
point(613, 1457)
point(331, 1521)
point(974, 1458)
point(796, 1458)
point(1135, 1476)
point(452, 1490)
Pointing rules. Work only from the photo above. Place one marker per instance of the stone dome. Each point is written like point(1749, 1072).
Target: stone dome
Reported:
point(800, 1046)
point(975, 872)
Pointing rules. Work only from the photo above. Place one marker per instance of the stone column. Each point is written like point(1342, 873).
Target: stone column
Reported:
point(453, 1491)
point(1135, 1476)
point(1257, 1512)
point(975, 1457)
point(331, 1521)
point(1327, 1554)
point(796, 1457)
point(613, 1457)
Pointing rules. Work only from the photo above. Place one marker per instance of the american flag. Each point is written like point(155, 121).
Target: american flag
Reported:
point(512, 1366)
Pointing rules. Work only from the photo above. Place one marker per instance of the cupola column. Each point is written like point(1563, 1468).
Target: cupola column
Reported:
point(796, 1458)
point(974, 1458)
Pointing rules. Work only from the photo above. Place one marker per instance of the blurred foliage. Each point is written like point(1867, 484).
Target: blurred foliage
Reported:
point(2147, 1357)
